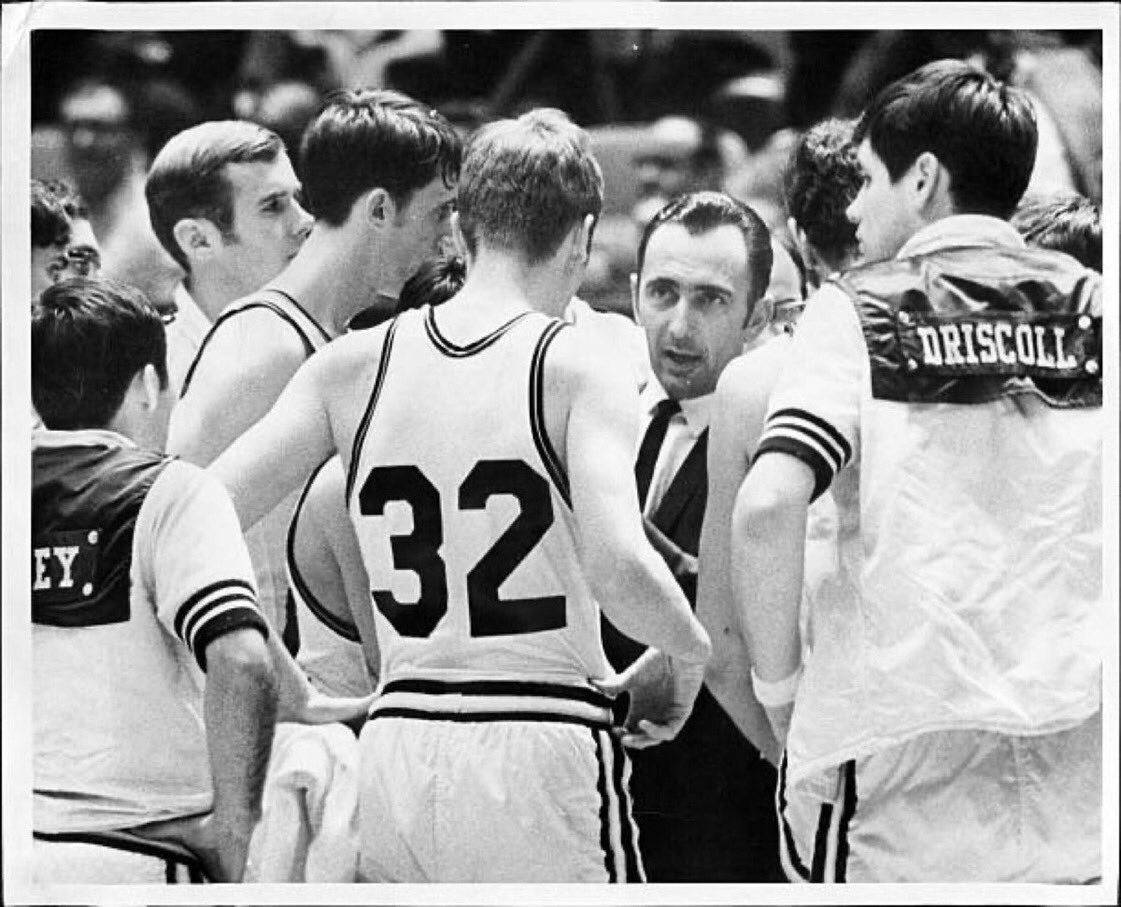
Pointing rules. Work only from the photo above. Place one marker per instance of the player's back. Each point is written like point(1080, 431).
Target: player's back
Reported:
point(462, 512)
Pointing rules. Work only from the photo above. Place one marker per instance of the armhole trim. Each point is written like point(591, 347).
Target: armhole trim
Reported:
point(330, 620)
point(364, 425)
point(309, 347)
point(541, 440)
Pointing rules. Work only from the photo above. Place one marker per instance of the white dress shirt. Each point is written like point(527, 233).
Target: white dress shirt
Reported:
point(685, 427)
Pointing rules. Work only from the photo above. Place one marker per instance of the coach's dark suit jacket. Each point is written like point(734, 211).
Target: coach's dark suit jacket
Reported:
point(704, 802)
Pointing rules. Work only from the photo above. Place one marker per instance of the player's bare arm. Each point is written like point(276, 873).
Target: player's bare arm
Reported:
point(240, 714)
point(307, 424)
point(769, 537)
point(246, 364)
point(738, 411)
point(632, 583)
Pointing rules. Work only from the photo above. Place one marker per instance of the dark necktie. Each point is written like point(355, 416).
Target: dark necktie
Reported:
point(651, 444)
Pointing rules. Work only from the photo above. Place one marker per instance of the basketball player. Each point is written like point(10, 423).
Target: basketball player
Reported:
point(946, 725)
point(487, 451)
point(379, 174)
point(155, 692)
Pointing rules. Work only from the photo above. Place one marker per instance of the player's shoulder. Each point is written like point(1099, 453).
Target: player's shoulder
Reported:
point(253, 328)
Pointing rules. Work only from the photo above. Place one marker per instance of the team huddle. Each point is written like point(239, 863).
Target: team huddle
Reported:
point(388, 564)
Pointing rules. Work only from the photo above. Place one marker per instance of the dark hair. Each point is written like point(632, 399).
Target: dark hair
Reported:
point(700, 212)
point(367, 139)
point(821, 180)
point(89, 338)
point(981, 130)
point(435, 281)
point(1064, 222)
point(527, 182)
point(54, 204)
point(188, 178)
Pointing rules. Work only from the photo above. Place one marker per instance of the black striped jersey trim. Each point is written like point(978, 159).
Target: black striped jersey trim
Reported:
point(623, 864)
point(787, 832)
point(537, 412)
point(498, 688)
point(331, 621)
point(309, 347)
point(455, 351)
point(810, 439)
point(525, 715)
point(375, 392)
point(848, 810)
point(214, 611)
point(322, 331)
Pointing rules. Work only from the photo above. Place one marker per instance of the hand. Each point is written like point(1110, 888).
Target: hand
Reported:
point(681, 563)
point(662, 692)
point(221, 846)
point(318, 708)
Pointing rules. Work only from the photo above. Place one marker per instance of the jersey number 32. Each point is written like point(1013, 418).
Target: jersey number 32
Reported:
point(419, 551)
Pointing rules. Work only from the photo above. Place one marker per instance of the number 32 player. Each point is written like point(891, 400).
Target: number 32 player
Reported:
point(488, 452)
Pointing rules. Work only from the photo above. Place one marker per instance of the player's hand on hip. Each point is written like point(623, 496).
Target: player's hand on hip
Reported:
point(662, 691)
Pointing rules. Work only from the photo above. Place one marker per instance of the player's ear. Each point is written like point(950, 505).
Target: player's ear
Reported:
point(634, 298)
point(197, 237)
point(929, 181)
point(459, 240)
point(378, 207)
point(150, 386)
point(759, 317)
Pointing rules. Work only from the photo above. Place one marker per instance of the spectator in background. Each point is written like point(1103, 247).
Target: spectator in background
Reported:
point(821, 180)
point(285, 107)
point(62, 240)
point(1067, 223)
point(678, 154)
point(223, 201)
point(111, 131)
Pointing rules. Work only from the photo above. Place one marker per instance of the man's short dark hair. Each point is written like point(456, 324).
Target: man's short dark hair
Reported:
point(367, 139)
point(1065, 222)
point(89, 338)
point(527, 182)
point(188, 179)
point(435, 282)
point(700, 212)
point(821, 180)
point(54, 205)
point(981, 130)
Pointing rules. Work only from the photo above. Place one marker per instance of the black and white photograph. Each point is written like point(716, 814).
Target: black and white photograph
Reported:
point(560, 452)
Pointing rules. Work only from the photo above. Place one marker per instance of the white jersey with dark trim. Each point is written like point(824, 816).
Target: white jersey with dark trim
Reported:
point(265, 538)
point(462, 512)
point(137, 565)
point(968, 594)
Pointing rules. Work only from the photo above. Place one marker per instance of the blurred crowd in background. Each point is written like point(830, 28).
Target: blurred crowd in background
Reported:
point(668, 111)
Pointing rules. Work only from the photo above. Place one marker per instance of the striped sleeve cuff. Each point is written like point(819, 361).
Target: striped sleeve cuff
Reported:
point(810, 439)
point(215, 610)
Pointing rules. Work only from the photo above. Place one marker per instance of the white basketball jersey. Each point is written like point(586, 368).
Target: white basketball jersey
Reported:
point(462, 512)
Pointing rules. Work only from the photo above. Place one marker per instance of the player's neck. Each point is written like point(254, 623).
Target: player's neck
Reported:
point(327, 281)
point(499, 281)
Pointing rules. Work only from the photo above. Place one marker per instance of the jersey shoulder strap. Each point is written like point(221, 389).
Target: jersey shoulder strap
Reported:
point(259, 302)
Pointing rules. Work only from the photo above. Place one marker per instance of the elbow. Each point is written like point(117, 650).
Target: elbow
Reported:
point(760, 509)
point(242, 659)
